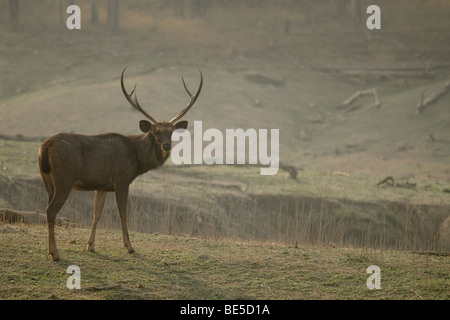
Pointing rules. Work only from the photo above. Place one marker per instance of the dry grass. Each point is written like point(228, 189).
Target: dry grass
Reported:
point(168, 267)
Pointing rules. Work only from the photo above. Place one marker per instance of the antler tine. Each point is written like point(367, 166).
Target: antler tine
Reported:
point(192, 101)
point(185, 88)
point(134, 103)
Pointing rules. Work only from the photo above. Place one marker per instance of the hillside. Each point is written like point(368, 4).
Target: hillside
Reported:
point(256, 76)
point(314, 134)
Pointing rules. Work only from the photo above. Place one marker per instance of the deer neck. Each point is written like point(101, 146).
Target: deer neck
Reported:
point(149, 153)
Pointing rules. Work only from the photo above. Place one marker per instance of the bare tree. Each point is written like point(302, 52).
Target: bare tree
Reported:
point(341, 5)
point(113, 16)
point(94, 12)
point(355, 9)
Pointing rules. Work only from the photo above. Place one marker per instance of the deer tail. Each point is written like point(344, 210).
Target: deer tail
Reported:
point(44, 164)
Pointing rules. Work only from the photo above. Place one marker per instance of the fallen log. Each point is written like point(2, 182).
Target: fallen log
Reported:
point(425, 102)
point(348, 103)
point(293, 171)
point(389, 181)
point(380, 74)
point(434, 139)
point(408, 66)
point(29, 217)
point(432, 253)
point(289, 169)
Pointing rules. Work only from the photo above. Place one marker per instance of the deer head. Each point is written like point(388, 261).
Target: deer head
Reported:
point(161, 131)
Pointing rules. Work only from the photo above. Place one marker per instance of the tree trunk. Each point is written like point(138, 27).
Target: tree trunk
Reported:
point(94, 12)
point(306, 6)
point(355, 9)
point(341, 4)
point(113, 16)
point(14, 14)
point(62, 12)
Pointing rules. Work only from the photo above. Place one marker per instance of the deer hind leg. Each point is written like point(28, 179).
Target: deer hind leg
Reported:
point(59, 198)
point(99, 202)
point(48, 186)
point(121, 199)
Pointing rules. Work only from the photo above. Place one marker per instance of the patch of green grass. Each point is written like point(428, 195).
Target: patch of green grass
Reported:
point(211, 180)
point(18, 159)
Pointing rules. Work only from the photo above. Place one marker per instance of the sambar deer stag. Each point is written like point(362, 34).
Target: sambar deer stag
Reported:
point(105, 163)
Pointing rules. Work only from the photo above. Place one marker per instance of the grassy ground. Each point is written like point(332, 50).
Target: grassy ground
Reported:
point(167, 267)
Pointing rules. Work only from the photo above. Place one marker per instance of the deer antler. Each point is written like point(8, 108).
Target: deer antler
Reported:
point(193, 99)
point(134, 103)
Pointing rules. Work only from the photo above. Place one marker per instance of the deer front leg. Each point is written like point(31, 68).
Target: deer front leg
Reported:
point(99, 202)
point(122, 199)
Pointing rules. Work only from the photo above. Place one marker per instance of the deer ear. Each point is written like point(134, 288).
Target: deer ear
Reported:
point(181, 125)
point(145, 125)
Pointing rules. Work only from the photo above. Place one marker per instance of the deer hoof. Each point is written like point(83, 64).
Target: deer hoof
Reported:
point(55, 256)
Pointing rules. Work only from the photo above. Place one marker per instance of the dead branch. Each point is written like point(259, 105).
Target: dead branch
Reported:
point(417, 294)
point(289, 169)
point(364, 72)
point(348, 104)
point(403, 67)
point(426, 101)
point(432, 253)
point(389, 181)
point(107, 287)
point(434, 139)
point(293, 171)
point(261, 79)
point(29, 217)
point(380, 74)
